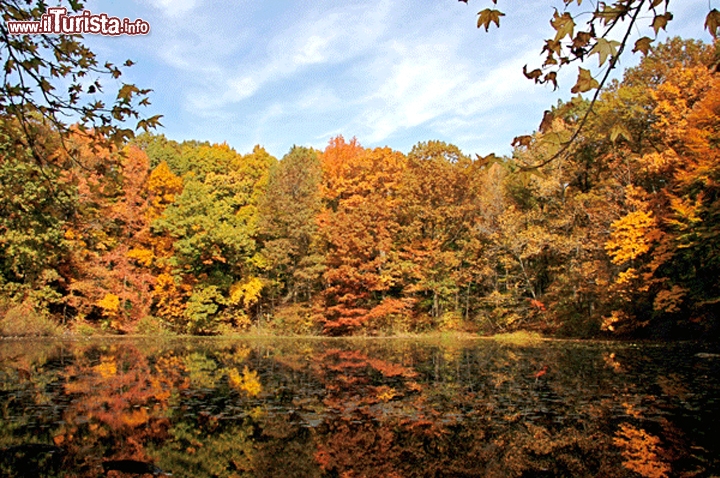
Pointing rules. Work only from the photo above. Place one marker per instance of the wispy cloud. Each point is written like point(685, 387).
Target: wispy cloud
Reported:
point(387, 71)
point(393, 75)
point(320, 38)
point(432, 84)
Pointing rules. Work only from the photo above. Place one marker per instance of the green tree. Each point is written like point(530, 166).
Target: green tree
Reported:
point(36, 204)
point(159, 149)
point(288, 224)
point(213, 224)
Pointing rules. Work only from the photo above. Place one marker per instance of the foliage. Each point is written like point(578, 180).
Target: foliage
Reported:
point(36, 206)
point(52, 77)
point(288, 227)
point(152, 326)
point(618, 236)
point(519, 337)
point(359, 192)
point(24, 320)
point(294, 319)
point(606, 34)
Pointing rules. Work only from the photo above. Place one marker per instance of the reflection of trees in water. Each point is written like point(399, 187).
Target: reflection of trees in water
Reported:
point(464, 412)
point(373, 408)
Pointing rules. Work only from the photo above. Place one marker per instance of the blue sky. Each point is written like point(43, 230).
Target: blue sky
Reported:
point(389, 72)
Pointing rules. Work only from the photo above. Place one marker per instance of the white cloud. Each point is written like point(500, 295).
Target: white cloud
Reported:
point(322, 37)
point(432, 84)
point(387, 71)
point(314, 51)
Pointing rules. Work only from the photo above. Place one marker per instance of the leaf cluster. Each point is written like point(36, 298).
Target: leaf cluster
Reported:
point(59, 79)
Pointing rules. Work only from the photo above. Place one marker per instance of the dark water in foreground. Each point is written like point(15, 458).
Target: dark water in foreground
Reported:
point(385, 408)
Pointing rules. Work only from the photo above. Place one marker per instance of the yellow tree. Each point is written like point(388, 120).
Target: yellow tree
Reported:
point(664, 244)
point(438, 208)
point(213, 224)
point(356, 227)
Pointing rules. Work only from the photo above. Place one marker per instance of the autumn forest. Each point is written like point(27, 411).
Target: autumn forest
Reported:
point(617, 238)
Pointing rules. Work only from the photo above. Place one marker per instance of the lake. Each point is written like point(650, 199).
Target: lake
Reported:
point(357, 408)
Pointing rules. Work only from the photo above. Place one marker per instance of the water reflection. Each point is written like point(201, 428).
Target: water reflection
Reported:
point(388, 408)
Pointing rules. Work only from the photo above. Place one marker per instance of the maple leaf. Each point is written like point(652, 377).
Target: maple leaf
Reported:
point(712, 22)
point(582, 39)
point(546, 122)
point(585, 82)
point(533, 75)
point(563, 24)
point(127, 91)
point(643, 45)
point(604, 49)
point(552, 78)
point(552, 46)
point(611, 14)
point(486, 16)
point(620, 130)
point(661, 21)
point(524, 140)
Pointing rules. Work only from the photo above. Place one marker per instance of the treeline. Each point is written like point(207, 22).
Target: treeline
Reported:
point(620, 235)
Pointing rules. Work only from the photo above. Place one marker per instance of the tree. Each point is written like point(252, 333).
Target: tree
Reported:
point(54, 111)
point(357, 226)
point(39, 69)
point(438, 209)
point(619, 212)
point(213, 226)
point(159, 149)
point(104, 276)
point(288, 224)
point(666, 244)
point(36, 206)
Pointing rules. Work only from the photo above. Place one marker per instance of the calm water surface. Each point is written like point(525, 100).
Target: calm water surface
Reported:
point(357, 408)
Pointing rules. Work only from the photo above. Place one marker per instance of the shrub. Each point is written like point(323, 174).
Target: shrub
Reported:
point(24, 320)
point(520, 337)
point(293, 319)
point(153, 326)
